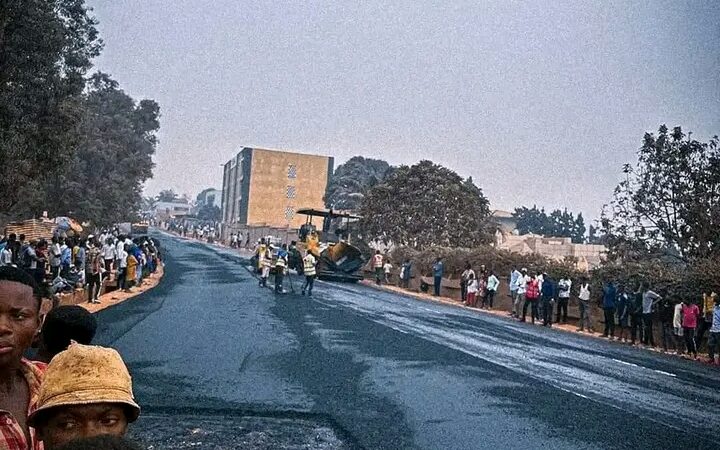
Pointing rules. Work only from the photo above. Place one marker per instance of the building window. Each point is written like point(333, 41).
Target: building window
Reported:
point(291, 192)
point(292, 171)
point(289, 213)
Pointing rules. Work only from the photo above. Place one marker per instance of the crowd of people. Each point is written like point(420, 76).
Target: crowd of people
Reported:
point(63, 263)
point(59, 391)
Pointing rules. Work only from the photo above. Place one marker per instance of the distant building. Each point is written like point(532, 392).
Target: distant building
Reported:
point(265, 187)
point(209, 196)
point(170, 210)
point(507, 237)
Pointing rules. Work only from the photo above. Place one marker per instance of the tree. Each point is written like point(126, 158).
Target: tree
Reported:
point(46, 48)
point(209, 212)
point(351, 181)
point(559, 223)
point(168, 195)
point(103, 180)
point(426, 205)
point(669, 204)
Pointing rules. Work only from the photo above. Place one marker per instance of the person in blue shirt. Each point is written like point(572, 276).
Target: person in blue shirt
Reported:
point(438, 272)
point(609, 303)
point(547, 291)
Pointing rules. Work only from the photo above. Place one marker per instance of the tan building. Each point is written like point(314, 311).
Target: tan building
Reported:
point(265, 187)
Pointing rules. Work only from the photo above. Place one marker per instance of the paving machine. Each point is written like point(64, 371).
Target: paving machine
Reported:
point(337, 258)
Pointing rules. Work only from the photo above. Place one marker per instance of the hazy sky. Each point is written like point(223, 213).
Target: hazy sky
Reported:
point(541, 102)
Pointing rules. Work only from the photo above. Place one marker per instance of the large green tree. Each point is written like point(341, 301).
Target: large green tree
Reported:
point(559, 223)
point(426, 205)
point(669, 203)
point(103, 181)
point(46, 48)
point(351, 181)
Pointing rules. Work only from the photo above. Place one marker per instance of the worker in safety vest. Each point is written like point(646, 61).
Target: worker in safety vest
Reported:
point(377, 263)
point(309, 271)
point(260, 253)
point(280, 265)
point(265, 261)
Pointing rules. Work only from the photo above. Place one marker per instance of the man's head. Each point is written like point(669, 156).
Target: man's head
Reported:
point(64, 324)
point(86, 391)
point(12, 237)
point(19, 314)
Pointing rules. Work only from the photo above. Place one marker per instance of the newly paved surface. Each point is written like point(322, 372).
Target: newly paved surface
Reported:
point(219, 362)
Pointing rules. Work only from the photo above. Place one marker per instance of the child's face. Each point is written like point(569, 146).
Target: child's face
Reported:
point(67, 423)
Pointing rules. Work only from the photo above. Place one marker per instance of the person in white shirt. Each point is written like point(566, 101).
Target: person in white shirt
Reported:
point(122, 256)
point(521, 288)
point(584, 303)
point(472, 291)
point(108, 254)
point(6, 257)
point(54, 257)
point(387, 267)
point(564, 286)
point(492, 286)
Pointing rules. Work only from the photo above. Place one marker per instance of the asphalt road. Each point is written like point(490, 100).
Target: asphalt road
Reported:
point(219, 362)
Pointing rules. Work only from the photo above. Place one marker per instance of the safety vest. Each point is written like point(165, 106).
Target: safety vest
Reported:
point(309, 265)
point(265, 259)
point(281, 260)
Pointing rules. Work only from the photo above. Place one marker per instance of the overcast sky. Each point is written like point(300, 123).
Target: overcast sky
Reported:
point(541, 102)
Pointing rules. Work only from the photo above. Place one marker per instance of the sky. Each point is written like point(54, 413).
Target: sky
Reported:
point(540, 102)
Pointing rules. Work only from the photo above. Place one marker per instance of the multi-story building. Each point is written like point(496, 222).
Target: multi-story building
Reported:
point(265, 187)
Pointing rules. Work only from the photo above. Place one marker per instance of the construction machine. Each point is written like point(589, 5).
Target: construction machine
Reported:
point(337, 259)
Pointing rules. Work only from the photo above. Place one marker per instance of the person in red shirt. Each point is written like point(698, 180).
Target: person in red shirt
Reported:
point(532, 294)
point(19, 322)
point(690, 316)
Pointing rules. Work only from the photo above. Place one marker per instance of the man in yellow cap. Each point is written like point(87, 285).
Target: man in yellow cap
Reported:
point(86, 391)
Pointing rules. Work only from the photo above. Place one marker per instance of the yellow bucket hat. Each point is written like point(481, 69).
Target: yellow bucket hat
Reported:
point(84, 375)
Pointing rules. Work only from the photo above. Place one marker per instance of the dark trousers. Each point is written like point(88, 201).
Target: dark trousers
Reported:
point(309, 281)
point(636, 328)
point(108, 265)
point(609, 322)
point(647, 330)
point(562, 308)
point(703, 327)
point(436, 286)
point(406, 283)
point(534, 305)
point(489, 298)
point(279, 275)
point(54, 272)
point(689, 335)
point(463, 289)
point(668, 336)
point(121, 277)
point(379, 275)
point(93, 284)
point(547, 310)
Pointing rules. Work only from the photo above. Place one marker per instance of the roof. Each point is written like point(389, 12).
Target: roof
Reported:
point(500, 214)
point(325, 213)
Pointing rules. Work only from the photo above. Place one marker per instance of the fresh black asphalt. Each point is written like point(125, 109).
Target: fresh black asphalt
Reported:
point(219, 362)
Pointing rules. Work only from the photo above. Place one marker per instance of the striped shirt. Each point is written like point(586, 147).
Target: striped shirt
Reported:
point(12, 436)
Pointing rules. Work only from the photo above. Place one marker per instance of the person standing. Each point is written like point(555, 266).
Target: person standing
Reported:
point(623, 319)
point(564, 286)
point(706, 313)
point(387, 269)
point(65, 256)
point(649, 299)
point(406, 274)
point(122, 257)
point(513, 285)
point(280, 265)
point(548, 298)
point(584, 305)
point(108, 252)
point(690, 316)
point(520, 297)
point(265, 263)
point(6, 256)
point(636, 328)
point(131, 270)
point(532, 296)
point(714, 335)
point(471, 291)
point(609, 299)
point(492, 286)
point(667, 311)
point(464, 279)
point(93, 274)
point(377, 263)
point(54, 257)
point(438, 272)
point(309, 270)
point(677, 327)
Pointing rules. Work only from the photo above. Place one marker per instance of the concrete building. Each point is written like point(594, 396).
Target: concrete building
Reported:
point(170, 210)
point(209, 196)
point(265, 187)
point(508, 238)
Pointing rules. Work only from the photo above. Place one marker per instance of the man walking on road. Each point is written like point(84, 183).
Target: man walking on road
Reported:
point(438, 272)
point(310, 272)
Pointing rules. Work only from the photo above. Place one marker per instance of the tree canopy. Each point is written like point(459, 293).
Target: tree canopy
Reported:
point(426, 205)
point(351, 181)
point(46, 48)
point(167, 195)
point(669, 203)
point(559, 223)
